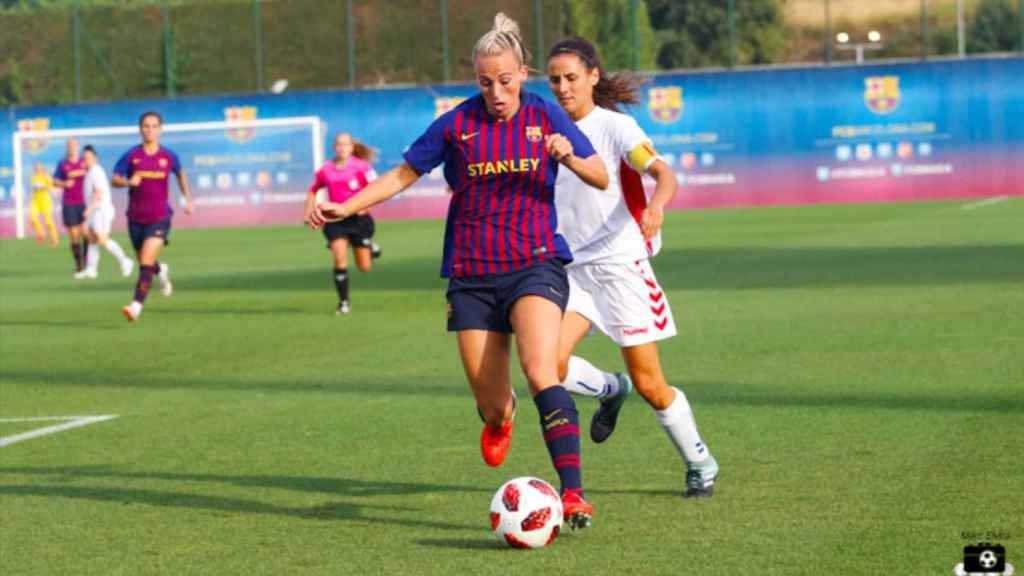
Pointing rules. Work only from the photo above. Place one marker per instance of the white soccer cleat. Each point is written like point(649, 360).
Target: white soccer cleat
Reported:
point(165, 280)
point(127, 267)
point(87, 274)
point(132, 311)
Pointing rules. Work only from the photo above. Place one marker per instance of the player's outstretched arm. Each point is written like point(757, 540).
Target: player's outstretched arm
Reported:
point(664, 191)
point(384, 187)
point(591, 170)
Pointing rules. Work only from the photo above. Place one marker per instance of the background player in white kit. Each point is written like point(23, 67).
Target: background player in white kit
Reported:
point(99, 214)
point(611, 234)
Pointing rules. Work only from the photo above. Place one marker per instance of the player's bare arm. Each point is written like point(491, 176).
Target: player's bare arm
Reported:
point(309, 208)
point(665, 189)
point(591, 170)
point(388, 185)
point(185, 190)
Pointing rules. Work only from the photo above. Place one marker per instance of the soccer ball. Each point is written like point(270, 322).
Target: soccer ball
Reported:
point(526, 513)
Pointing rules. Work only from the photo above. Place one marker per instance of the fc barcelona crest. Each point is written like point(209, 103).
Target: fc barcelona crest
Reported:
point(665, 104)
point(882, 93)
point(446, 103)
point(534, 134)
point(35, 145)
point(240, 114)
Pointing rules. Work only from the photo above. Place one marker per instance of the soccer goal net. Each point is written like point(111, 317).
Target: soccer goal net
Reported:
point(240, 172)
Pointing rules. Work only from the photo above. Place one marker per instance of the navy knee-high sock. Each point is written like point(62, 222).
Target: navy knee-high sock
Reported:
point(146, 274)
point(559, 422)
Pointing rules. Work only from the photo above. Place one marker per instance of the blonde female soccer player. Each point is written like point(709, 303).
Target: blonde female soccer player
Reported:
point(343, 177)
point(99, 217)
point(42, 205)
point(504, 258)
point(612, 234)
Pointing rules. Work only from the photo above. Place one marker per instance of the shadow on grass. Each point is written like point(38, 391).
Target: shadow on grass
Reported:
point(329, 511)
point(720, 268)
point(61, 324)
point(742, 268)
point(700, 392)
point(474, 544)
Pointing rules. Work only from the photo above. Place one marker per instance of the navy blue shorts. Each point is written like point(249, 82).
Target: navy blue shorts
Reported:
point(74, 214)
point(139, 232)
point(485, 302)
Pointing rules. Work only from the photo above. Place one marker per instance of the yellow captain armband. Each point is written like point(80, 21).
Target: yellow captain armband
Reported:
point(641, 157)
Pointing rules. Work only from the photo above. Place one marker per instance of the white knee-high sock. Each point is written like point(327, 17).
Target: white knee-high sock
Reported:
point(678, 422)
point(115, 249)
point(585, 379)
point(92, 257)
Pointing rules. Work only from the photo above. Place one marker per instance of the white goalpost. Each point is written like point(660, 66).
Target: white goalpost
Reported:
point(20, 138)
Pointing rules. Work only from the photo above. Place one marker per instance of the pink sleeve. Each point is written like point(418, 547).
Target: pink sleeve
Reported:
point(318, 182)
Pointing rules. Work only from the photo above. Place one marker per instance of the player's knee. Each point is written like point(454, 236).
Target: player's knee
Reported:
point(540, 376)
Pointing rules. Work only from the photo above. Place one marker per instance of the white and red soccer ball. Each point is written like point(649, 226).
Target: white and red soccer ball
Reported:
point(526, 513)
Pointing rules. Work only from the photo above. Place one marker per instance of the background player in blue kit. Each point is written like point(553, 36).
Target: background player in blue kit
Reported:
point(501, 152)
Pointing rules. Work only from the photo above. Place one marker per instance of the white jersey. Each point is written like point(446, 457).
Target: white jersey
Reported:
point(96, 179)
point(602, 225)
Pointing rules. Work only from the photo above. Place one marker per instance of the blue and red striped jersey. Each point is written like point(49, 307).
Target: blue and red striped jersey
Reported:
point(501, 216)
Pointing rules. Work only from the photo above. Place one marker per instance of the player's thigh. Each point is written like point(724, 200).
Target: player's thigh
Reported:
point(339, 248)
point(485, 358)
point(150, 250)
point(536, 321)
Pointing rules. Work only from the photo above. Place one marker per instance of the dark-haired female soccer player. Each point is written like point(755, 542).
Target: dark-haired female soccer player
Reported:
point(502, 151)
point(612, 234)
point(146, 170)
point(343, 177)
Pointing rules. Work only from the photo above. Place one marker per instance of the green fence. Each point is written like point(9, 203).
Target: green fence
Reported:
point(81, 50)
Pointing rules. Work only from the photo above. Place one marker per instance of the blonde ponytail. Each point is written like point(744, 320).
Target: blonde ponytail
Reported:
point(503, 36)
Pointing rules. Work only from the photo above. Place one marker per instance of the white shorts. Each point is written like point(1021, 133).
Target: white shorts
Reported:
point(624, 301)
point(101, 219)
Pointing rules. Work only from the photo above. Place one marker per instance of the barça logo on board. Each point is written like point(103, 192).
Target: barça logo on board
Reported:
point(882, 93)
point(446, 103)
point(35, 145)
point(665, 104)
point(240, 114)
point(534, 134)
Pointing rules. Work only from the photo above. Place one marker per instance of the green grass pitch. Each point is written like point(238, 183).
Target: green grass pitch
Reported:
point(857, 370)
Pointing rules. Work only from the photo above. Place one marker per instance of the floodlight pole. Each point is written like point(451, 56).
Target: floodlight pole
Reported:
point(828, 34)
point(76, 35)
point(961, 37)
point(257, 34)
point(444, 40)
point(350, 33)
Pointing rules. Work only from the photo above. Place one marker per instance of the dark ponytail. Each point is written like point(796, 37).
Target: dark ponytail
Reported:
point(362, 151)
point(611, 89)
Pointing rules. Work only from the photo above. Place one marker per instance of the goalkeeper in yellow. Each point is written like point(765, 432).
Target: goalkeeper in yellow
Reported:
point(42, 205)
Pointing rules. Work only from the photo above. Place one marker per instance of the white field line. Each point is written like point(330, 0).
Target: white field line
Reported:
point(69, 423)
point(985, 202)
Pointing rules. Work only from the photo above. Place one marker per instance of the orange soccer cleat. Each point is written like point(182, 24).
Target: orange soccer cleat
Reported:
point(577, 512)
point(494, 443)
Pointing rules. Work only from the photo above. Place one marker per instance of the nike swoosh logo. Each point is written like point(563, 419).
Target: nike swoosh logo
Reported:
point(552, 415)
point(466, 136)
